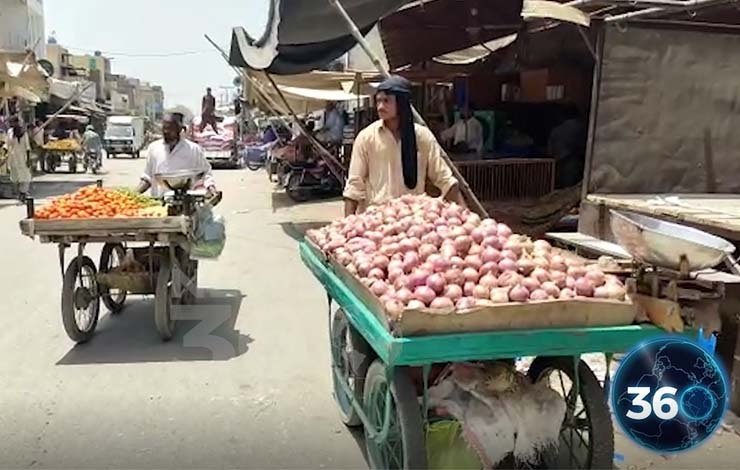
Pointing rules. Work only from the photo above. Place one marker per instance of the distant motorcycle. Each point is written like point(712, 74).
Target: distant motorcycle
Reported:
point(301, 179)
point(92, 161)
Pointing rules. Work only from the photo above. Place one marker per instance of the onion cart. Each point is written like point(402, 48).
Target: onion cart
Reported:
point(159, 264)
point(374, 367)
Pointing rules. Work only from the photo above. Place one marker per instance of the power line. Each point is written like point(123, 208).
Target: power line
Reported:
point(148, 54)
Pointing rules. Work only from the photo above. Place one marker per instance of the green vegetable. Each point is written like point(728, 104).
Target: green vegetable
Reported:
point(143, 199)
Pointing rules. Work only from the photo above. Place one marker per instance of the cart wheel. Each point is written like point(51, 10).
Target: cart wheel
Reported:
point(73, 164)
point(352, 356)
point(294, 190)
point(587, 435)
point(404, 446)
point(163, 302)
point(111, 257)
point(80, 299)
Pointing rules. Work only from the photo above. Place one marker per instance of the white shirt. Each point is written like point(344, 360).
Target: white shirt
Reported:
point(186, 155)
point(334, 125)
point(466, 131)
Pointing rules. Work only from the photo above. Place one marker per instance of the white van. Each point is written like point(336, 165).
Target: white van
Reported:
point(124, 134)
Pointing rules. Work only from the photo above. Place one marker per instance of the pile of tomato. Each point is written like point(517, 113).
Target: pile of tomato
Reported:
point(92, 202)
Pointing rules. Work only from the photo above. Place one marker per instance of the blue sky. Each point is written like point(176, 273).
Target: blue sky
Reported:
point(133, 27)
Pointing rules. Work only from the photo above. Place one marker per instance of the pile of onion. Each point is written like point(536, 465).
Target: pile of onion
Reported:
point(423, 252)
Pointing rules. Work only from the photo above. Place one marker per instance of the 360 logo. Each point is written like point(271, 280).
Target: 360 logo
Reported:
point(669, 395)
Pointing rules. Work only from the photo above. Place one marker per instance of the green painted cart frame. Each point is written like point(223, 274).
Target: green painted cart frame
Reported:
point(373, 386)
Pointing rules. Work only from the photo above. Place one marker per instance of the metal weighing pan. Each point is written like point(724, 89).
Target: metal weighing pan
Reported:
point(668, 245)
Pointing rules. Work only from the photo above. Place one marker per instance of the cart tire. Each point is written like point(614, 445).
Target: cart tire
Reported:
point(73, 164)
point(73, 295)
point(163, 302)
point(406, 423)
point(114, 302)
point(293, 188)
point(353, 356)
point(592, 416)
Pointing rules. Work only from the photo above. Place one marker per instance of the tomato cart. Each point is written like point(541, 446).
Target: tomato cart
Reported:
point(373, 372)
point(141, 255)
point(161, 267)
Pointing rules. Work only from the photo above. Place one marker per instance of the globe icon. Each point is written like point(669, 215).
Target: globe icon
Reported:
point(697, 403)
point(669, 394)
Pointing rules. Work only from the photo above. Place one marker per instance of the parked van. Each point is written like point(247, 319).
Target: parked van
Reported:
point(124, 134)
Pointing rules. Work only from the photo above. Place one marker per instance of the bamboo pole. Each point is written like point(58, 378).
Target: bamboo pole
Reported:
point(471, 198)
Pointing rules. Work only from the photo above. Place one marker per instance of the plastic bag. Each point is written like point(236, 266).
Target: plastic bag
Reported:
point(446, 447)
point(210, 234)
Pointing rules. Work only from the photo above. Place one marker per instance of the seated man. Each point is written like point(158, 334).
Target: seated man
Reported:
point(466, 135)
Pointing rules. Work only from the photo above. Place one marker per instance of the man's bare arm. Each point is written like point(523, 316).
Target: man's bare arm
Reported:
point(350, 206)
point(455, 195)
point(143, 186)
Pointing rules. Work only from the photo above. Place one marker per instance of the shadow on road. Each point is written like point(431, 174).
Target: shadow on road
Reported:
point(297, 231)
point(280, 200)
point(207, 333)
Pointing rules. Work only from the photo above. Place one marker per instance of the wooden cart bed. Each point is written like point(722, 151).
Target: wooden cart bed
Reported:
point(101, 230)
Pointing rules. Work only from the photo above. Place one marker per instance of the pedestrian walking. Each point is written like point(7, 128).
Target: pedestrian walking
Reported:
point(19, 158)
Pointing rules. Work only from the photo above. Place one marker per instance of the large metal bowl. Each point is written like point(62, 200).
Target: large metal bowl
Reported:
point(175, 180)
point(668, 245)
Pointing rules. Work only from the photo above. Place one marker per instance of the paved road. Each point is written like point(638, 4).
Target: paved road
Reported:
point(126, 400)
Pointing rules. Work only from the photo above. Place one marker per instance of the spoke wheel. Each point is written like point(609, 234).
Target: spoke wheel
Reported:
point(111, 257)
point(80, 299)
point(586, 435)
point(163, 302)
point(352, 357)
point(404, 446)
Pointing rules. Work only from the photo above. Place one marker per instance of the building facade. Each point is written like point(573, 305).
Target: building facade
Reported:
point(22, 26)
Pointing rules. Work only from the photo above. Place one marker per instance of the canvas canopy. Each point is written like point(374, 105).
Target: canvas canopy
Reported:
point(302, 35)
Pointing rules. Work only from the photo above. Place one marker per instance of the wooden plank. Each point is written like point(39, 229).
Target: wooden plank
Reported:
point(103, 227)
point(420, 350)
point(725, 224)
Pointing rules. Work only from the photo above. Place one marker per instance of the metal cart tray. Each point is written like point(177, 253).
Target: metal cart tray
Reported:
point(666, 244)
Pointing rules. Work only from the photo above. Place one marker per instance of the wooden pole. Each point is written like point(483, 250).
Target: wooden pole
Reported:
point(471, 198)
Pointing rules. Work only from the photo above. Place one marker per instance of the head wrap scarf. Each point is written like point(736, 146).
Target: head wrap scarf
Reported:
point(401, 89)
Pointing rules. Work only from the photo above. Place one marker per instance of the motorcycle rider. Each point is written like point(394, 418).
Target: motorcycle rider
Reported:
point(92, 143)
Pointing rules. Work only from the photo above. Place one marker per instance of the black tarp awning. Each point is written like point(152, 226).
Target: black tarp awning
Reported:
point(302, 35)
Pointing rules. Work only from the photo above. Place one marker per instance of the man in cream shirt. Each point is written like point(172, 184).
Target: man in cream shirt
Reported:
point(393, 156)
point(173, 153)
